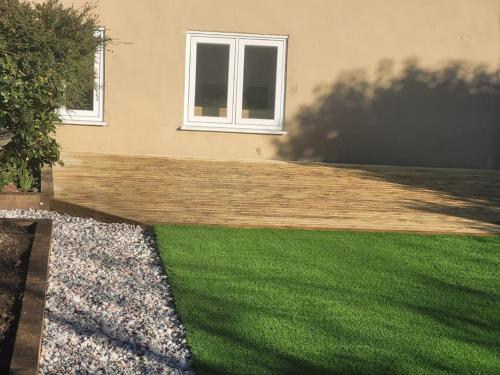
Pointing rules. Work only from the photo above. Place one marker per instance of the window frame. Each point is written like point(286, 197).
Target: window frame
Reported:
point(279, 94)
point(95, 116)
point(231, 42)
point(234, 121)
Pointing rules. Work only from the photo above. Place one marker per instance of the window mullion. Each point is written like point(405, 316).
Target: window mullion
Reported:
point(236, 79)
point(240, 66)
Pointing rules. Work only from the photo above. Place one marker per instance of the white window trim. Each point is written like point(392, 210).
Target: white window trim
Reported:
point(234, 121)
point(96, 116)
point(279, 94)
point(231, 42)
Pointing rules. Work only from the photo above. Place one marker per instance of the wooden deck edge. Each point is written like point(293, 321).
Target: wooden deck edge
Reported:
point(73, 209)
point(65, 207)
point(27, 345)
point(339, 229)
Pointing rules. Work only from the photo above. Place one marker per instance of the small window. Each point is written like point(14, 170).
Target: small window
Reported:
point(91, 111)
point(235, 82)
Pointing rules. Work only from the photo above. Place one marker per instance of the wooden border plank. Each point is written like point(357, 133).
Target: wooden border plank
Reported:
point(47, 188)
point(10, 201)
point(27, 345)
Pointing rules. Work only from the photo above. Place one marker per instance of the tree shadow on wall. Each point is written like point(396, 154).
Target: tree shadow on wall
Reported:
point(447, 117)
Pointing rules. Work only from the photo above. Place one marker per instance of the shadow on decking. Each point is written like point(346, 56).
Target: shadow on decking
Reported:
point(475, 194)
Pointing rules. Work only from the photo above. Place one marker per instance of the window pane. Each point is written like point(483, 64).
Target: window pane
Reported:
point(259, 82)
point(88, 101)
point(212, 68)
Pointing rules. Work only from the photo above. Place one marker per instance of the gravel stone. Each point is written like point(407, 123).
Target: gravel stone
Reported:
point(108, 307)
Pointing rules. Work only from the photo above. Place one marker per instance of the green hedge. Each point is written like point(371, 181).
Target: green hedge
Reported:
point(46, 62)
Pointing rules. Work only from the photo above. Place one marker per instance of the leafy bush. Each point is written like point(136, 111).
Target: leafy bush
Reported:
point(17, 174)
point(46, 62)
point(8, 174)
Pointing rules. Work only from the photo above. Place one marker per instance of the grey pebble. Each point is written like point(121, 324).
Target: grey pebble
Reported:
point(108, 304)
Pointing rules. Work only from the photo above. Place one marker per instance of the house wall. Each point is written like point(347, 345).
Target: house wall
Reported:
point(368, 81)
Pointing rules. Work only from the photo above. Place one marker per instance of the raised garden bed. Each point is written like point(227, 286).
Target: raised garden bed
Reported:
point(24, 252)
point(21, 200)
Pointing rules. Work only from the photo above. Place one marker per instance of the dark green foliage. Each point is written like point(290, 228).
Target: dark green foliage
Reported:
point(46, 62)
point(18, 173)
point(263, 301)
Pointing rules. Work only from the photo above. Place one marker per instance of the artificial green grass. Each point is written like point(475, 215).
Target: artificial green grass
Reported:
point(263, 301)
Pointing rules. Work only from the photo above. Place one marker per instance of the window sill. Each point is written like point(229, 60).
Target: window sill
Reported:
point(231, 130)
point(84, 122)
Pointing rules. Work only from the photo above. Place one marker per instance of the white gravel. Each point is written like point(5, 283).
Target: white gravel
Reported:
point(108, 308)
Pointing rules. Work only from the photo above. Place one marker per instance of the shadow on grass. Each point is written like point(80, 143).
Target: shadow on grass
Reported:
point(274, 359)
point(391, 322)
point(472, 323)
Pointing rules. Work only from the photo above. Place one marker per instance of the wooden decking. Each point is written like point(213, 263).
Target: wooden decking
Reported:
point(171, 190)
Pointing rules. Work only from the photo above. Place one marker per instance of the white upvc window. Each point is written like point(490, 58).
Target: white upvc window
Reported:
point(235, 82)
point(91, 111)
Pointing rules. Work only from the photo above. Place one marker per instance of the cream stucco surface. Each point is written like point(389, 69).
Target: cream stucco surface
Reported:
point(144, 72)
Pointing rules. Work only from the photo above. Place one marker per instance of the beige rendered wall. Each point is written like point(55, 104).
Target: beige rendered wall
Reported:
point(336, 48)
